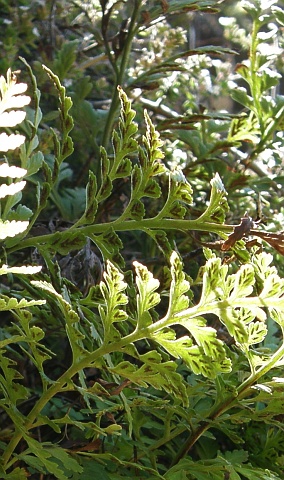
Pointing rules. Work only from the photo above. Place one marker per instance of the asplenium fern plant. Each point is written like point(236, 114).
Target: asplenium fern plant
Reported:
point(138, 335)
point(143, 370)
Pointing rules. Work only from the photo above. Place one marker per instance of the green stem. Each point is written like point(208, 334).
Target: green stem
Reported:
point(242, 391)
point(120, 75)
point(130, 225)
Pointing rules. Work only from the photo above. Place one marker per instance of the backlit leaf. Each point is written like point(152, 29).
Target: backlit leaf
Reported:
point(147, 297)
point(10, 229)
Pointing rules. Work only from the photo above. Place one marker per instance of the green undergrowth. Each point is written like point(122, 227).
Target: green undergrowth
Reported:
point(125, 363)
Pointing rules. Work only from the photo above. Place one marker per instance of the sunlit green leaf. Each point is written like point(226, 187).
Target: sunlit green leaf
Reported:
point(112, 289)
point(160, 375)
point(147, 297)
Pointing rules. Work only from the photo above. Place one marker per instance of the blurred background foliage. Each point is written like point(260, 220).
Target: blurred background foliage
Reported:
point(188, 95)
